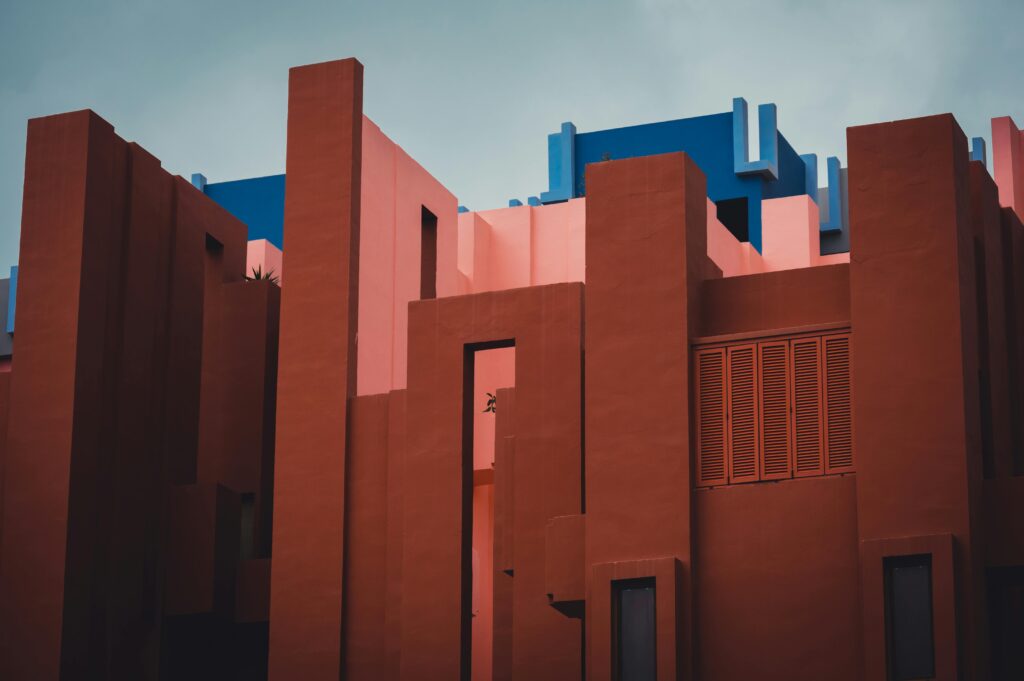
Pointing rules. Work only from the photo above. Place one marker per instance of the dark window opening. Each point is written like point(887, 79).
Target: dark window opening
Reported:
point(247, 540)
point(1006, 622)
point(910, 642)
point(212, 245)
point(733, 214)
point(634, 630)
point(428, 255)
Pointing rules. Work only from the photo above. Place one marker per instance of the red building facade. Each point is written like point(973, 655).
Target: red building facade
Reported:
point(815, 472)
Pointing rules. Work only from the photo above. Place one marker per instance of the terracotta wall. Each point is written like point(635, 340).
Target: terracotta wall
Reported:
point(317, 368)
point(916, 390)
point(777, 580)
point(125, 273)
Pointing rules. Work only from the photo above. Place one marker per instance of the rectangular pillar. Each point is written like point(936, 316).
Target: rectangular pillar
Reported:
point(646, 256)
point(317, 368)
point(913, 304)
point(62, 152)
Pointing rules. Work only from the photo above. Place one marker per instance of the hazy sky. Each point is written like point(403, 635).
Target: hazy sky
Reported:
point(470, 88)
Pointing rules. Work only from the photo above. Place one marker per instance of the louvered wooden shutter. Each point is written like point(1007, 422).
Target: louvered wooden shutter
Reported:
point(838, 407)
point(775, 424)
point(712, 439)
point(808, 438)
point(743, 414)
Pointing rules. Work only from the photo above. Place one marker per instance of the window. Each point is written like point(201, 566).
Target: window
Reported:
point(428, 254)
point(634, 630)
point(910, 643)
point(773, 409)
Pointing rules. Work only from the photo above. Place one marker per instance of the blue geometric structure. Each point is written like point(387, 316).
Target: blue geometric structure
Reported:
point(717, 143)
point(811, 178)
point(836, 221)
point(561, 165)
point(978, 150)
point(258, 202)
point(12, 295)
point(768, 140)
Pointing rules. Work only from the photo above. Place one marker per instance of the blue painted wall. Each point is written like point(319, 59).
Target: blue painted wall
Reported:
point(708, 140)
point(12, 297)
point(6, 347)
point(258, 202)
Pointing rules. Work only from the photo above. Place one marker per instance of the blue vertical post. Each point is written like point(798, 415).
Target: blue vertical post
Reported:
point(561, 165)
point(11, 298)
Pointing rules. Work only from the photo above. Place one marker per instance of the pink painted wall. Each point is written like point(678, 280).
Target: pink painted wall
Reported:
point(522, 246)
point(394, 190)
point(265, 256)
point(531, 245)
point(474, 252)
point(733, 257)
point(1008, 163)
point(790, 233)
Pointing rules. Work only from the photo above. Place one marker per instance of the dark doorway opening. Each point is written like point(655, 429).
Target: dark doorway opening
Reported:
point(1006, 622)
point(634, 630)
point(483, 364)
point(910, 640)
point(733, 214)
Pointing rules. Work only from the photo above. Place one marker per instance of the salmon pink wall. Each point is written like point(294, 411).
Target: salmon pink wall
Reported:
point(733, 257)
point(264, 255)
point(474, 250)
point(1008, 162)
point(533, 245)
point(394, 190)
point(792, 237)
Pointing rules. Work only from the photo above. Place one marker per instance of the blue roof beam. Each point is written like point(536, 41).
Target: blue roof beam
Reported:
point(810, 175)
point(768, 132)
point(12, 297)
point(835, 222)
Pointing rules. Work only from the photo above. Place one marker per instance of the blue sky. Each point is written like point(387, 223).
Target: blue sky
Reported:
point(471, 88)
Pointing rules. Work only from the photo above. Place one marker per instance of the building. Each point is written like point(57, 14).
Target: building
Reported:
point(656, 423)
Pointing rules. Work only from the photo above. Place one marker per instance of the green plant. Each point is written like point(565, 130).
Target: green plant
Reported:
point(259, 275)
point(492, 404)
